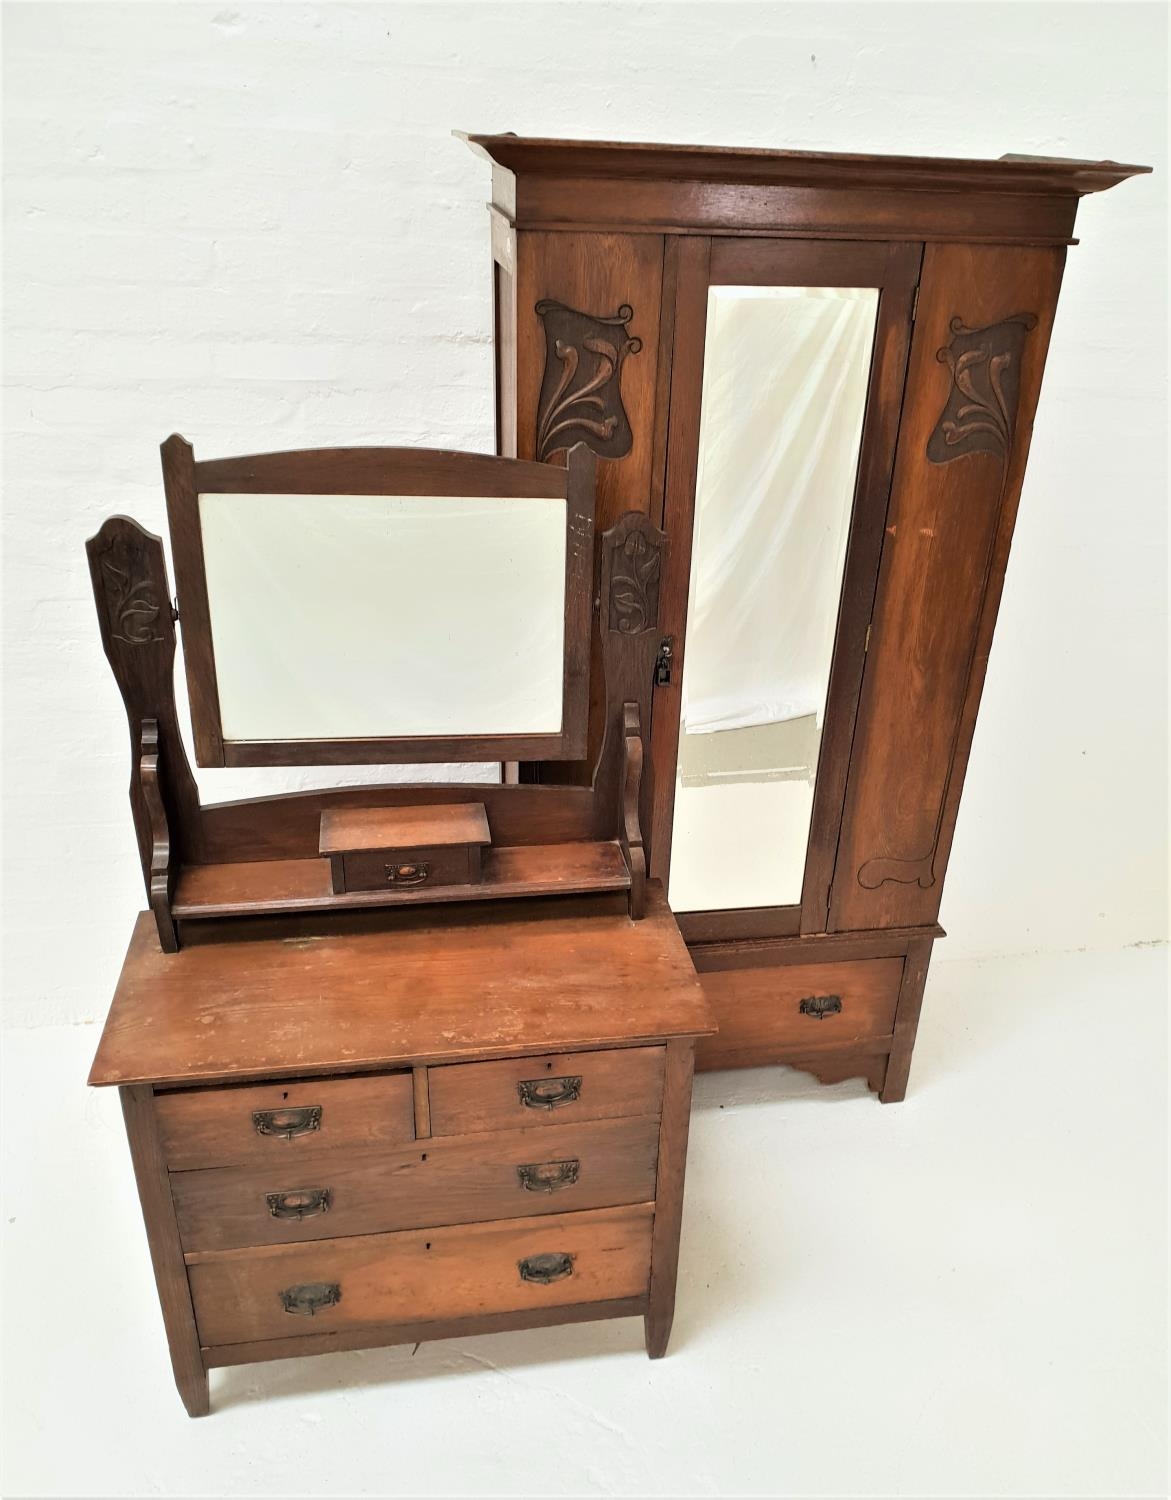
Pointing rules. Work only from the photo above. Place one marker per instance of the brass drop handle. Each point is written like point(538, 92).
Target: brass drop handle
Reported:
point(548, 1176)
point(548, 1093)
point(820, 1006)
point(308, 1300)
point(299, 1203)
point(413, 873)
point(287, 1123)
point(546, 1268)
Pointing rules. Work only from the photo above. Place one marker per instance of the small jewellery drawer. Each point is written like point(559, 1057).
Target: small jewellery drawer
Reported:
point(402, 869)
point(458, 1180)
point(469, 1097)
point(282, 1124)
point(420, 1275)
point(794, 1009)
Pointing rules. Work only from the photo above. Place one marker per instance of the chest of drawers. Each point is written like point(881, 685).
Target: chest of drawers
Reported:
point(350, 1139)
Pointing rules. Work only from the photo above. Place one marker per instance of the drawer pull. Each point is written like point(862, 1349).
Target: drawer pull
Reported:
point(548, 1093)
point(309, 1299)
point(548, 1176)
point(287, 1123)
point(299, 1203)
point(820, 1006)
point(546, 1268)
point(414, 873)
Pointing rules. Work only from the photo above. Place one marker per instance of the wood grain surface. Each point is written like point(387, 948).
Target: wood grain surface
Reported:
point(438, 985)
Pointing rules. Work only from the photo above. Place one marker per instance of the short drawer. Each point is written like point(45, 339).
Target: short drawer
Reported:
point(402, 869)
point(470, 1097)
point(421, 1275)
point(284, 1123)
point(796, 1010)
point(457, 1180)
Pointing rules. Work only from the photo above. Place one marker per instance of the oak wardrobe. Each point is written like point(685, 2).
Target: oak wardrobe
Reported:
point(817, 375)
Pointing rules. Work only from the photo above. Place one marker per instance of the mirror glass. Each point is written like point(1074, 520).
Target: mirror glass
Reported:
point(786, 371)
point(380, 616)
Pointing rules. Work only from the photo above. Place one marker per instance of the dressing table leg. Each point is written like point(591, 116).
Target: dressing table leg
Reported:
point(898, 1068)
point(669, 1194)
point(166, 1250)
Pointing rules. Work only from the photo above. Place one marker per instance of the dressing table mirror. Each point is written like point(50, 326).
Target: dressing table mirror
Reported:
point(396, 1062)
point(817, 373)
point(376, 606)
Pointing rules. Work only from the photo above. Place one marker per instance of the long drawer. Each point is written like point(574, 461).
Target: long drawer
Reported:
point(471, 1097)
point(459, 1180)
point(796, 1010)
point(284, 1124)
point(420, 1275)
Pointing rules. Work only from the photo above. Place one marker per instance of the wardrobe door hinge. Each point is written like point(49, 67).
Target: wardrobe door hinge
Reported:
point(915, 304)
point(866, 642)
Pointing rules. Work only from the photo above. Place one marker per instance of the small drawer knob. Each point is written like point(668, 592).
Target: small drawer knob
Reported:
point(546, 1268)
point(410, 872)
point(299, 1203)
point(548, 1093)
point(287, 1123)
point(820, 1006)
point(548, 1176)
point(308, 1300)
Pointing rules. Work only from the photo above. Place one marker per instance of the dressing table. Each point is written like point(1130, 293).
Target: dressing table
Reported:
point(817, 373)
point(396, 1063)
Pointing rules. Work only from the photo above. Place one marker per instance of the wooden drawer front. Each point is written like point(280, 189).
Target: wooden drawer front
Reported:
point(395, 869)
point(421, 1274)
point(283, 1124)
point(795, 1010)
point(518, 1092)
point(459, 1180)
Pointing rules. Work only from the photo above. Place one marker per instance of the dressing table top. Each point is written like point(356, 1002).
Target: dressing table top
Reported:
point(427, 986)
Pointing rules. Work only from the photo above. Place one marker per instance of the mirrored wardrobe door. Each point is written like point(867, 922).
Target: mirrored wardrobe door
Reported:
point(787, 378)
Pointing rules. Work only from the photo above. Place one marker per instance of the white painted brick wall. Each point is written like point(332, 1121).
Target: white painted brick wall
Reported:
point(250, 224)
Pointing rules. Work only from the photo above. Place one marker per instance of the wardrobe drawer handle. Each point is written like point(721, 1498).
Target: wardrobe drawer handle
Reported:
point(309, 1299)
point(546, 1268)
point(414, 873)
point(548, 1176)
point(820, 1006)
point(548, 1093)
point(287, 1123)
point(299, 1203)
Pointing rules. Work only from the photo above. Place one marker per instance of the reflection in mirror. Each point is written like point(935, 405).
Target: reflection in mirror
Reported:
point(378, 616)
point(786, 371)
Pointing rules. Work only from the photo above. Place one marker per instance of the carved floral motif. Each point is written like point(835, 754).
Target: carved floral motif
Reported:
point(581, 398)
point(985, 365)
point(131, 595)
point(634, 584)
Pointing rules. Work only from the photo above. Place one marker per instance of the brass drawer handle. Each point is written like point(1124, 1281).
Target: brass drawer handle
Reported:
point(309, 1299)
point(546, 1268)
point(548, 1176)
point(548, 1093)
point(287, 1123)
point(414, 873)
point(299, 1203)
point(820, 1006)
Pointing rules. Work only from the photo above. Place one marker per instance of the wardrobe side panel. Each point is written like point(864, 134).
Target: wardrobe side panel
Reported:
point(599, 276)
point(981, 335)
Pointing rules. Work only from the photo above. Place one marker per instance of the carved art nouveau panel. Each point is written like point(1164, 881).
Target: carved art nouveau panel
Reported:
point(588, 312)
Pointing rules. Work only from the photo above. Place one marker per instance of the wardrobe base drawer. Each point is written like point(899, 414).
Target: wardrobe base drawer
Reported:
point(418, 1275)
point(455, 1180)
point(798, 1010)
